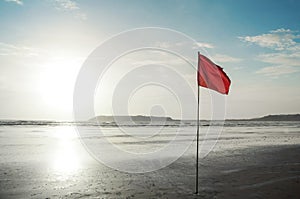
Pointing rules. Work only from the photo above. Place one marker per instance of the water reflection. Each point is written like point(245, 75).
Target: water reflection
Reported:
point(66, 158)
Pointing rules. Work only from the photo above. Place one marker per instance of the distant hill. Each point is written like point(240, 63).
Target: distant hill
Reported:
point(290, 117)
point(136, 118)
point(147, 119)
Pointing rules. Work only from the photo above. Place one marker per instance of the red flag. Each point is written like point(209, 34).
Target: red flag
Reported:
point(212, 76)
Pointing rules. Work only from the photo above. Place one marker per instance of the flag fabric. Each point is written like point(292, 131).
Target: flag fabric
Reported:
point(212, 76)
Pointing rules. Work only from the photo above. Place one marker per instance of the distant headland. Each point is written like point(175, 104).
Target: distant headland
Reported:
point(134, 118)
point(289, 117)
point(143, 118)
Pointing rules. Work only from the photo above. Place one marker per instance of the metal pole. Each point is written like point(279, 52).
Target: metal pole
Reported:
point(198, 107)
point(197, 155)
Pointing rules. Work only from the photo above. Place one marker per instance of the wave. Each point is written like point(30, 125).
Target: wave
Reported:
point(155, 124)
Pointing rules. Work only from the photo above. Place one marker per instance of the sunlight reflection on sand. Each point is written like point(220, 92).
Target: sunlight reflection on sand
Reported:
point(66, 160)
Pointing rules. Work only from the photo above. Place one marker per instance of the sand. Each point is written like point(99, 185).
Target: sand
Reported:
point(248, 170)
point(250, 173)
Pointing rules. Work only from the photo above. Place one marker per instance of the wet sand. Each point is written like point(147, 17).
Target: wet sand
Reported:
point(252, 172)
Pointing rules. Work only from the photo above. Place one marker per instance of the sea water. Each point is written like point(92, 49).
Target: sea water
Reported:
point(42, 141)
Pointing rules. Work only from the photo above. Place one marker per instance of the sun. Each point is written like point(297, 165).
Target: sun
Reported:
point(56, 83)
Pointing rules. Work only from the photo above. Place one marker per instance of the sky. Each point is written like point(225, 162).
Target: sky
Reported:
point(43, 44)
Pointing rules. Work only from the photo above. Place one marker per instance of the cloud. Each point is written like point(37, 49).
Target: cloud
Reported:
point(19, 2)
point(280, 39)
point(81, 16)
point(70, 6)
point(282, 63)
point(281, 30)
point(225, 58)
point(205, 45)
point(62, 5)
point(66, 5)
point(275, 71)
point(285, 57)
point(17, 50)
point(281, 58)
point(153, 58)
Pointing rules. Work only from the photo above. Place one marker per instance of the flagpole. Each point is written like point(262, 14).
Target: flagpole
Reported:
point(197, 155)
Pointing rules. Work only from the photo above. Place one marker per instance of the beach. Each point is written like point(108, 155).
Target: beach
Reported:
point(149, 99)
point(247, 162)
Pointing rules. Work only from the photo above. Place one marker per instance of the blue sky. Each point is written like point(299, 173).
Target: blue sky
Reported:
point(257, 43)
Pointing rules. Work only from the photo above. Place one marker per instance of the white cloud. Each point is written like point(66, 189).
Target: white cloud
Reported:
point(163, 45)
point(225, 58)
point(286, 51)
point(282, 63)
point(275, 71)
point(17, 50)
point(281, 58)
point(280, 39)
point(19, 2)
point(153, 58)
point(66, 5)
point(70, 6)
point(81, 16)
point(62, 5)
point(205, 45)
point(281, 30)
point(237, 67)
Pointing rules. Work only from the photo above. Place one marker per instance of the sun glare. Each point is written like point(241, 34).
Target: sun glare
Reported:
point(57, 82)
point(66, 159)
